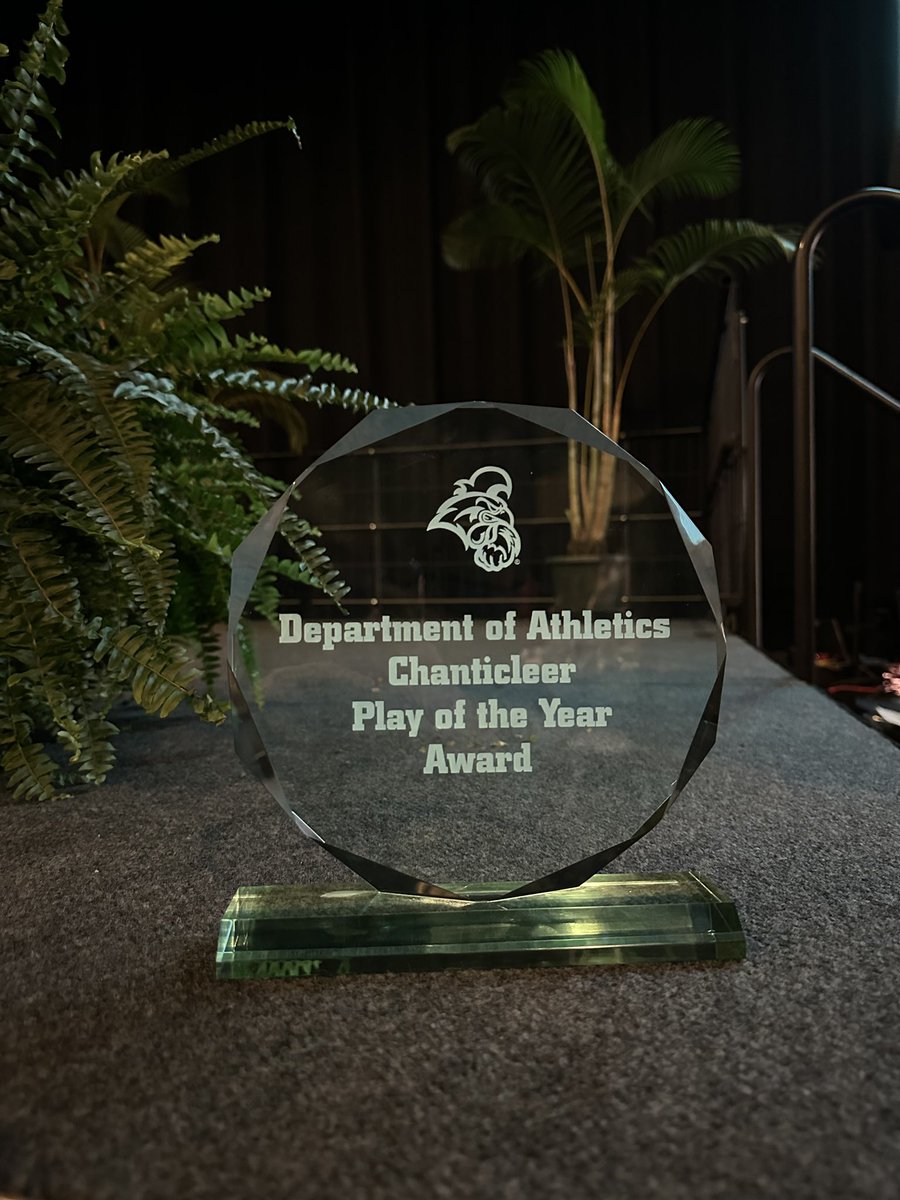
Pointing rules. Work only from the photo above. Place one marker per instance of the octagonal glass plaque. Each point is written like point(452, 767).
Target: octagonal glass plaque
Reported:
point(465, 701)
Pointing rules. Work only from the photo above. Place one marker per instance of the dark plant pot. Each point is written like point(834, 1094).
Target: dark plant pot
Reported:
point(595, 581)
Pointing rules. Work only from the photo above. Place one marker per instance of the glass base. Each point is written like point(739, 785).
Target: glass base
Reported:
point(287, 931)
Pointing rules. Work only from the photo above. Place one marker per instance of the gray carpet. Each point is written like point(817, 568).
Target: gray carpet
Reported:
point(128, 1073)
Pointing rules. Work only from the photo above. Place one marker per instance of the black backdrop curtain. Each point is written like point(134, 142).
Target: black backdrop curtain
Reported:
point(346, 233)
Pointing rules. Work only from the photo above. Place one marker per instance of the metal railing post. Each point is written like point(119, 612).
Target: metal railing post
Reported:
point(753, 492)
point(804, 425)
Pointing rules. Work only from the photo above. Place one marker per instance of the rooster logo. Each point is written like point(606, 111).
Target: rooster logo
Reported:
point(478, 512)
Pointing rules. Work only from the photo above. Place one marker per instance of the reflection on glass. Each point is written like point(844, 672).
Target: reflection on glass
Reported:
point(284, 932)
point(479, 706)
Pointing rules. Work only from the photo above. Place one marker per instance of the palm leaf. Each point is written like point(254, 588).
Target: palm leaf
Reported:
point(707, 250)
point(694, 157)
point(532, 160)
point(556, 80)
point(492, 235)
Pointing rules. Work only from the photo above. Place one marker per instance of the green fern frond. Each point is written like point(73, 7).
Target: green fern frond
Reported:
point(200, 599)
point(65, 445)
point(265, 595)
point(120, 430)
point(23, 98)
point(93, 387)
point(151, 262)
point(191, 510)
point(40, 662)
point(352, 399)
point(33, 565)
point(121, 498)
point(314, 558)
point(189, 337)
point(158, 671)
point(256, 349)
point(39, 504)
point(216, 411)
point(282, 411)
point(115, 323)
point(43, 234)
point(320, 394)
point(209, 653)
point(147, 175)
point(315, 565)
point(223, 308)
point(31, 774)
point(250, 658)
point(160, 392)
point(152, 580)
point(112, 236)
point(21, 349)
point(94, 754)
point(191, 332)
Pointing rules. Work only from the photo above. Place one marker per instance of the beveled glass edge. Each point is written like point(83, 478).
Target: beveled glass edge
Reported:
point(497, 893)
point(699, 924)
point(248, 558)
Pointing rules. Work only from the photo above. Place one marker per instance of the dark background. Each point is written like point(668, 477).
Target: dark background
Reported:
point(346, 233)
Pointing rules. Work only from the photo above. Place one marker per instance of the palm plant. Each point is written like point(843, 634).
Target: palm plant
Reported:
point(121, 498)
point(552, 191)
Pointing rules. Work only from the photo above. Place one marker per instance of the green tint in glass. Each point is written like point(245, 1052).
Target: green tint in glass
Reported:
point(279, 932)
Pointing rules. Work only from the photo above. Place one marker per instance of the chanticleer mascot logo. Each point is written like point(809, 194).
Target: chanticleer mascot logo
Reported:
point(478, 513)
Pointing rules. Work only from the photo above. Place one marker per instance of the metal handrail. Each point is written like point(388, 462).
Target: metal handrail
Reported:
point(752, 491)
point(804, 423)
point(752, 467)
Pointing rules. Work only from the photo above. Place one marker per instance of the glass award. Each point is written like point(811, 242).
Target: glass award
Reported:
point(464, 725)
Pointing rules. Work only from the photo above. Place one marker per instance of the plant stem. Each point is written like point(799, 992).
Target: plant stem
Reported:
point(575, 513)
point(633, 349)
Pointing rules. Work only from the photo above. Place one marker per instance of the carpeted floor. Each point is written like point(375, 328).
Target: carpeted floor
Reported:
point(128, 1073)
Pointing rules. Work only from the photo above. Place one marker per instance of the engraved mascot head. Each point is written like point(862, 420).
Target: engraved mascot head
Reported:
point(478, 513)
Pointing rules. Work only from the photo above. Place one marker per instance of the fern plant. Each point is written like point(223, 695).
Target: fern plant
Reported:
point(121, 498)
